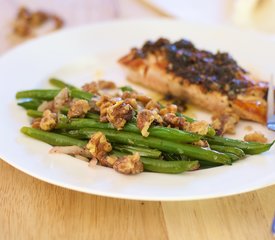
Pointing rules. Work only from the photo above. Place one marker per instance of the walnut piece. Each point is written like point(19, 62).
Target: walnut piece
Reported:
point(169, 108)
point(255, 137)
point(78, 108)
point(119, 113)
point(174, 121)
point(225, 122)
point(200, 127)
point(130, 164)
point(103, 104)
point(61, 99)
point(94, 87)
point(27, 22)
point(99, 147)
point(144, 120)
point(48, 121)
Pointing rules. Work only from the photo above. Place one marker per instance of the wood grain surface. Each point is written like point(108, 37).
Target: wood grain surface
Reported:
point(32, 209)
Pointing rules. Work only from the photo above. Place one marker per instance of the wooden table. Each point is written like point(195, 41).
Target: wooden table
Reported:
point(32, 209)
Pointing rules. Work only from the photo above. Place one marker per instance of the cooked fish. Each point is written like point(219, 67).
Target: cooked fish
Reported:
point(213, 81)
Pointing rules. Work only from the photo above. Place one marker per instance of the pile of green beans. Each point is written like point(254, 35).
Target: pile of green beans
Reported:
point(165, 150)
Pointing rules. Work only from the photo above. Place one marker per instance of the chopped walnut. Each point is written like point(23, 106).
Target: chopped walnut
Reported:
point(128, 94)
point(61, 99)
point(169, 108)
point(48, 121)
point(143, 99)
point(27, 22)
point(152, 105)
point(225, 122)
point(202, 143)
point(172, 120)
point(109, 161)
point(46, 105)
point(144, 120)
point(78, 108)
point(130, 164)
point(200, 127)
point(255, 137)
point(119, 113)
point(132, 102)
point(103, 104)
point(94, 87)
point(36, 122)
point(99, 147)
point(38, 18)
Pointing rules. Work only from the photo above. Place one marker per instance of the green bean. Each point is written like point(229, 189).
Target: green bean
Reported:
point(153, 142)
point(155, 131)
point(51, 138)
point(247, 147)
point(126, 89)
point(226, 149)
point(233, 157)
point(49, 94)
point(161, 166)
point(29, 103)
point(143, 151)
point(38, 94)
point(34, 113)
point(174, 157)
point(61, 84)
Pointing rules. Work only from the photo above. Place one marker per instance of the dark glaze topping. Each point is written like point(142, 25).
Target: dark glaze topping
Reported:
point(215, 72)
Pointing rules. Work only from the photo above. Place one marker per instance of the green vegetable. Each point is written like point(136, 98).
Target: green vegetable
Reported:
point(247, 147)
point(51, 138)
point(152, 142)
point(161, 166)
point(61, 84)
point(155, 131)
point(49, 94)
point(226, 149)
point(143, 151)
point(29, 103)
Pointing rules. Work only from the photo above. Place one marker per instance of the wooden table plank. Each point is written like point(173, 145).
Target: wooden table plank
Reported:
point(33, 209)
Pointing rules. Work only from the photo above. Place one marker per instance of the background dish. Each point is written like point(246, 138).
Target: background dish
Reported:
point(88, 53)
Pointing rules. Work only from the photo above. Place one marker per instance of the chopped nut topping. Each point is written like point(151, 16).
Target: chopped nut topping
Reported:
point(36, 123)
point(152, 105)
point(132, 102)
point(200, 127)
point(78, 108)
point(202, 143)
point(143, 99)
point(119, 114)
point(144, 120)
point(170, 108)
point(103, 103)
point(46, 105)
point(48, 121)
point(27, 22)
point(94, 87)
point(255, 137)
point(174, 121)
point(61, 99)
point(225, 122)
point(99, 147)
point(130, 164)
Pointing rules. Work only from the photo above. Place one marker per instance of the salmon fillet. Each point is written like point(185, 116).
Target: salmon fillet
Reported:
point(213, 81)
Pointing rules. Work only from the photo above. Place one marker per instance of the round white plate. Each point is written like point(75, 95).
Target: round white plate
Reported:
point(91, 52)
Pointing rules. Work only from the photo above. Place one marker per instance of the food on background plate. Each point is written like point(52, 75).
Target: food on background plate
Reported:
point(213, 81)
point(119, 128)
point(27, 22)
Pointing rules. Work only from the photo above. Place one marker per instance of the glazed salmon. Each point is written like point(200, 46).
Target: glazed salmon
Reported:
point(213, 81)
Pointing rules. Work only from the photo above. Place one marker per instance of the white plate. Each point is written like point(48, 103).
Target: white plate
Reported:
point(82, 54)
